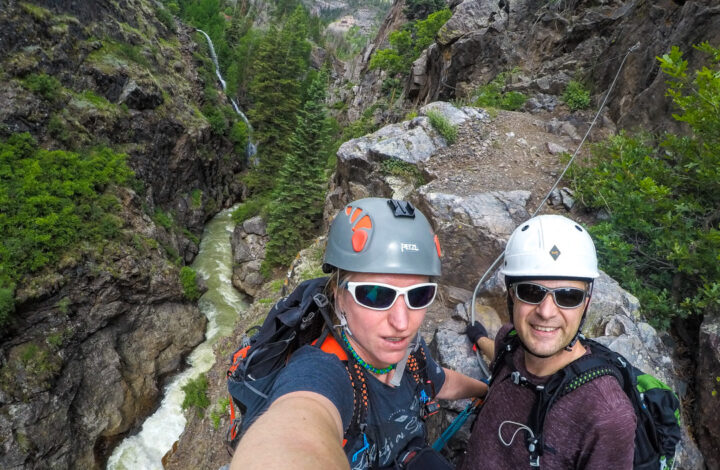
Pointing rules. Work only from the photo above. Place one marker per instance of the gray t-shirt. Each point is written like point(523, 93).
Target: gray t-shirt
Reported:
point(590, 428)
point(393, 415)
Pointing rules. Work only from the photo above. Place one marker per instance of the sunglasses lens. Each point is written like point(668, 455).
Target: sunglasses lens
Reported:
point(374, 296)
point(530, 293)
point(421, 297)
point(570, 297)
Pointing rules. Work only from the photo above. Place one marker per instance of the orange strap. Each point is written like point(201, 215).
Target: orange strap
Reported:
point(331, 346)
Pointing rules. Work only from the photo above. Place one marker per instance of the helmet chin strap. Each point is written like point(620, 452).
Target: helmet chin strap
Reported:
point(400, 367)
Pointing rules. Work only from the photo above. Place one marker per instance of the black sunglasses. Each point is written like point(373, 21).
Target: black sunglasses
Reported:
point(565, 297)
point(378, 296)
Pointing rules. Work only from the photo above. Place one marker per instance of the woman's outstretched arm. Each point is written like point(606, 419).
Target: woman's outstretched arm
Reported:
point(300, 430)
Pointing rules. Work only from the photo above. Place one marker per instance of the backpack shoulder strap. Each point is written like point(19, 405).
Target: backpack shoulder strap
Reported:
point(508, 344)
point(330, 345)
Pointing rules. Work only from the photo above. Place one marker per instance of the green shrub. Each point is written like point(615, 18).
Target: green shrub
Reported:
point(166, 18)
point(443, 126)
point(217, 121)
point(221, 408)
point(196, 198)
point(492, 95)
point(411, 115)
point(250, 208)
point(191, 236)
point(662, 193)
point(403, 169)
point(44, 85)
point(407, 44)
point(52, 200)
point(576, 96)
point(239, 135)
point(163, 219)
point(196, 395)
point(188, 279)
point(7, 304)
point(55, 339)
point(277, 285)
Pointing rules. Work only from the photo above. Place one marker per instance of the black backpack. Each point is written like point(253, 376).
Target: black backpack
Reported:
point(656, 406)
point(301, 318)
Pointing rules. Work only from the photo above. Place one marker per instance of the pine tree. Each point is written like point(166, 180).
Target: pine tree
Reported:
point(276, 89)
point(296, 210)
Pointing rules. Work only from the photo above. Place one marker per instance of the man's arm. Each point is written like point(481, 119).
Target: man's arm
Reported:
point(459, 386)
point(300, 430)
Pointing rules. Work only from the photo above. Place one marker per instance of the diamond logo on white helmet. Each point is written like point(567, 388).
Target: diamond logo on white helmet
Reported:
point(555, 252)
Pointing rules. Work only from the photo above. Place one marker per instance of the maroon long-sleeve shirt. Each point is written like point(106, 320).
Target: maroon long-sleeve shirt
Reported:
point(590, 428)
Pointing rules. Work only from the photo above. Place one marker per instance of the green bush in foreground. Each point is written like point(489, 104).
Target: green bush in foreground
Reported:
point(662, 239)
point(196, 395)
point(576, 96)
point(443, 126)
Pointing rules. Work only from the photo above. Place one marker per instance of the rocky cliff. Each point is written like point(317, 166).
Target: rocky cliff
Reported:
point(551, 43)
point(93, 340)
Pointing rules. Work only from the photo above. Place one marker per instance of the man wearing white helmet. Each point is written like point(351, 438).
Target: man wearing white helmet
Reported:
point(549, 266)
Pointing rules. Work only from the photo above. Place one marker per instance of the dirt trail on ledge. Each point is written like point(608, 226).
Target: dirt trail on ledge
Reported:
point(514, 151)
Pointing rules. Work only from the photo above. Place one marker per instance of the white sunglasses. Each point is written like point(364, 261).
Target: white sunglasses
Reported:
point(379, 296)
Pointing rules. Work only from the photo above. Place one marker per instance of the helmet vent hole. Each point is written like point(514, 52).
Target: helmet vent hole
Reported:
point(525, 228)
point(579, 229)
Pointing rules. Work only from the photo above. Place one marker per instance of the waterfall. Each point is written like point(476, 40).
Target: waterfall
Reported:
point(251, 148)
point(221, 304)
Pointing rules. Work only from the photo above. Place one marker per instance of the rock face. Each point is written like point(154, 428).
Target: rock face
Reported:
point(92, 348)
point(92, 342)
point(248, 242)
point(553, 42)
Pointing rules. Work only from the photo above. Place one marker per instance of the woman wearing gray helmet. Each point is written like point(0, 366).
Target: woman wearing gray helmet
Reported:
point(382, 255)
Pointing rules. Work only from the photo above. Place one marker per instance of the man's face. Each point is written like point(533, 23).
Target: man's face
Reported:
point(545, 329)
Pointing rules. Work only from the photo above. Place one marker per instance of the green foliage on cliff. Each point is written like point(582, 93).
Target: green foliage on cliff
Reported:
point(50, 201)
point(662, 194)
point(407, 44)
point(188, 280)
point(196, 395)
point(493, 94)
point(44, 85)
point(576, 96)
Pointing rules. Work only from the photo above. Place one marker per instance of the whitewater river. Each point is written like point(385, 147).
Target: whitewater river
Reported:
point(221, 304)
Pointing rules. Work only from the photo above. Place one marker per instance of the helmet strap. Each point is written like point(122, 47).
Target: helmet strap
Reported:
point(340, 314)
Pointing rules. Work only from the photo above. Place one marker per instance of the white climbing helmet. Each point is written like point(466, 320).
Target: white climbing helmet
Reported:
point(550, 246)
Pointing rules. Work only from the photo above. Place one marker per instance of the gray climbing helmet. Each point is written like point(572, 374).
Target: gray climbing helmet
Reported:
point(387, 236)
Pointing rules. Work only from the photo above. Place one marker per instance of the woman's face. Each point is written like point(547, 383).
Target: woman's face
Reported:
point(382, 336)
